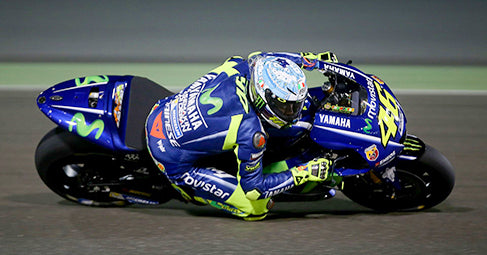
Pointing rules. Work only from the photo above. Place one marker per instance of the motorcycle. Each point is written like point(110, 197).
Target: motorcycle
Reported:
point(97, 155)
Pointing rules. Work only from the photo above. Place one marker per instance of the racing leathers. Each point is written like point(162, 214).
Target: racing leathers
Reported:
point(212, 116)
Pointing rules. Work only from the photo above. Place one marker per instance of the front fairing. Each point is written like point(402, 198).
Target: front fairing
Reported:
point(374, 129)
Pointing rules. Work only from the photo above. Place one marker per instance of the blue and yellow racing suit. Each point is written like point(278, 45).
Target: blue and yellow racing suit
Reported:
point(212, 116)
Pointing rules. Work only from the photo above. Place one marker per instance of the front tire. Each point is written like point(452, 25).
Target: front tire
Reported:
point(425, 182)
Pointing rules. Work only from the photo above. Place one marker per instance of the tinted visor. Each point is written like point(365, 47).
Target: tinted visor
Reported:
point(286, 110)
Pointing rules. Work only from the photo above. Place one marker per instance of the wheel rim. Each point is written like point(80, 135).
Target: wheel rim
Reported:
point(414, 189)
point(73, 181)
point(413, 193)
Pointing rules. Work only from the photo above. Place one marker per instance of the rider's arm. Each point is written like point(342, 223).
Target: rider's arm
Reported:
point(249, 150)
point(257, 185)
point(249, 147)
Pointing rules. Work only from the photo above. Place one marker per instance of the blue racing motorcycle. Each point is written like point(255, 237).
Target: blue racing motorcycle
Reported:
point(97, 155)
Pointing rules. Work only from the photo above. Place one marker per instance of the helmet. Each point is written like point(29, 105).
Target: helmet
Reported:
point(277, 90)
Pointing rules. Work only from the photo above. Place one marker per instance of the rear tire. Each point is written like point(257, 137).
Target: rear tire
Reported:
point(66, 162)
point(425, 182)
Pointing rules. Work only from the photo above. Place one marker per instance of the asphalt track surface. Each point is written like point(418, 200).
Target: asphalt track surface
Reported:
point(33, 220)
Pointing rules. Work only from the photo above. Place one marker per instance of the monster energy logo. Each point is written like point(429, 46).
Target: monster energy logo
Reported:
point(84, 130)
point(206, 98)
point(259, 102)
point(412, 145)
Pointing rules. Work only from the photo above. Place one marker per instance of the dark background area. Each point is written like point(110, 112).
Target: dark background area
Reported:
point(377, 31)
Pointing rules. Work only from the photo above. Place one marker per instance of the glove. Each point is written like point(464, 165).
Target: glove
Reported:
point(314, 170)
point(309, 59)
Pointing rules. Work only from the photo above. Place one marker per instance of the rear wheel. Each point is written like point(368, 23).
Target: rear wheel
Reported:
point(424, 183)
point(88, 174)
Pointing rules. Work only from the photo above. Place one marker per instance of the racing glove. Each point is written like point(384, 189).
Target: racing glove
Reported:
point(314, 170)
point(309, 58)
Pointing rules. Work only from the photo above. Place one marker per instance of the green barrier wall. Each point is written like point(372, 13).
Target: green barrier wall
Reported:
point(178, 75)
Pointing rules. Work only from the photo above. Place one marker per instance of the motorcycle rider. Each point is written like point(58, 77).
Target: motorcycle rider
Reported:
point(229, 109)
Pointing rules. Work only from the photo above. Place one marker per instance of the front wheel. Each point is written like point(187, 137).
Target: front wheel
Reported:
point(424, 183)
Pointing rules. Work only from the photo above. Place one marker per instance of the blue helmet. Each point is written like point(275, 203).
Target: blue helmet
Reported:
point(277, 90)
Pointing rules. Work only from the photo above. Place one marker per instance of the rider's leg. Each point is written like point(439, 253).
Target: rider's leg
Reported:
point(222, 191)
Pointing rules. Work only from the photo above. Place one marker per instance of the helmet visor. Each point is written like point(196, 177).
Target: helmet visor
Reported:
point(286, 110)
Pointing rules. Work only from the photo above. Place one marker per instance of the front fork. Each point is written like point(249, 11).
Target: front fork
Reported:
point(386, 176)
